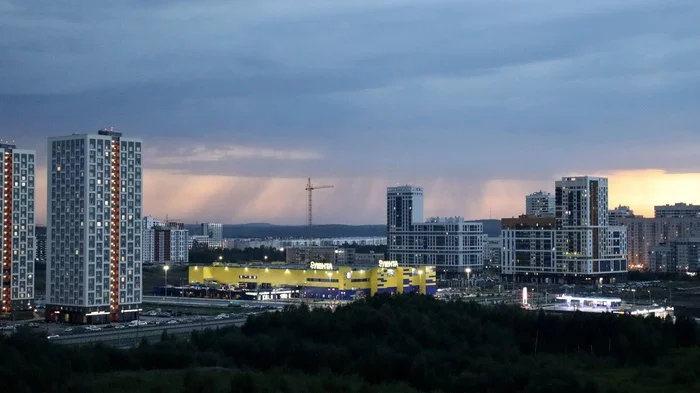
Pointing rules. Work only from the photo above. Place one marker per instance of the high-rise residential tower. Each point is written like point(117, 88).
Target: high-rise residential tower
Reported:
point(540, 204)
point(18, 236)
point(586, 244)
point(578, 245)
point(94, 230)
point(214, 233)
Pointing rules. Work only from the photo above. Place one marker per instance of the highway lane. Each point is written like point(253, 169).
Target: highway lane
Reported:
point(131, 334)
point(206, 302)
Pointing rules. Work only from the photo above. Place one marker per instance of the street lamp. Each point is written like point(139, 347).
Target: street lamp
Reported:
point(469, 272)
point(265, 258)
point(165, 270)
point(649, 292)
point(634, 297)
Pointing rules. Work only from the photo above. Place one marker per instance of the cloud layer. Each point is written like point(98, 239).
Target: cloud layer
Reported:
point(473, 99)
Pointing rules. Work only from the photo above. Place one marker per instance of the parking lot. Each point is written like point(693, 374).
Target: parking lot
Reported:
point(149, 318)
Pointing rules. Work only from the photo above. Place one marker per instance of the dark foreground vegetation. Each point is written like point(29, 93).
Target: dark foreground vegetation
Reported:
point(384, 344)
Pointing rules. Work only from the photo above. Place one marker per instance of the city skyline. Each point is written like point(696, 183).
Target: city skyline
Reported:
point(493, 103)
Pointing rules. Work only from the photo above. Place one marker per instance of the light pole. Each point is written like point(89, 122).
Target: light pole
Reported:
point(165, 270)
point(634, 297)
point(469, 272)
point(649, 292)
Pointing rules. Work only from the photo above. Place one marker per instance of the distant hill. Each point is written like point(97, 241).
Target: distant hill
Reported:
point(264, 230)
point(261, 230)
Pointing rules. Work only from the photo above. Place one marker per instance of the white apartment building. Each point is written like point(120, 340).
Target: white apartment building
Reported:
point(577, 245)
point(215, 233)
point(201, 241)
point(540, 204)
point(150, 222)
point(164, 243)
point(95, 189)
point(450, 244)
point(18, 236)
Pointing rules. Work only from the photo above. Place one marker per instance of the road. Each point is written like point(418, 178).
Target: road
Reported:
point(202, 302)
point(132, 335)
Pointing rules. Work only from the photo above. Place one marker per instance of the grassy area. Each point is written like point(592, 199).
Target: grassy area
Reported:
point(154, 276)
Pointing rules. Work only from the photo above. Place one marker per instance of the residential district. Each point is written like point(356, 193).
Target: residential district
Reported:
point(98, 243)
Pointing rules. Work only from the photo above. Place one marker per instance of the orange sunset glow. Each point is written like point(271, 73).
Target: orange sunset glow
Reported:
point(230, 199)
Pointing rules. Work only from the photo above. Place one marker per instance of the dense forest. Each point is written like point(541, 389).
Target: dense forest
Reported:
point(406, 343)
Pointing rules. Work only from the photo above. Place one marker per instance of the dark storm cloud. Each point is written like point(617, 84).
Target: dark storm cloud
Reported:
point(472, 89)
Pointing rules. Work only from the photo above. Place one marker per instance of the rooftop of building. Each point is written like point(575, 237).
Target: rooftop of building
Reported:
point(540, 193)
point(445, 220)
point(404, 188)
point(302, 266)
point(677, 204)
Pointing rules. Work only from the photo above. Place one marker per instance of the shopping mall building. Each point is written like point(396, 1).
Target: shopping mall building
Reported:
point(314, 280)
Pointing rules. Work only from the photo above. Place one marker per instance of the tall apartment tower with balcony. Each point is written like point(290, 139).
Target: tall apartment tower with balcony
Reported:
point(18, 236)
point(94, 228)
point(540, 204)
point(404, 208)
point(587, 246)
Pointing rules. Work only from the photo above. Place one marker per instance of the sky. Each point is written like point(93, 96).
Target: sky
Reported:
point(479, 101)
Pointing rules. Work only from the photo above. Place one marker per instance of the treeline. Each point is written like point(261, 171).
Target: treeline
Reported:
point(406, 343)
point(205, 256)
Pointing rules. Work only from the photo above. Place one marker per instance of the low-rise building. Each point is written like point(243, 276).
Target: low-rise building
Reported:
point(368, 259)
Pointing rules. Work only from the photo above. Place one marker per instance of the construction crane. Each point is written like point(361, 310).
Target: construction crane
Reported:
point(310, 188)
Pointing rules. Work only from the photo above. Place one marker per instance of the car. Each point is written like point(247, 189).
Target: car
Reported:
point(51, 337)
point(69, 330)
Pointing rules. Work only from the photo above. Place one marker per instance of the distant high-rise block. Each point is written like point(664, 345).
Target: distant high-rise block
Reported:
point(616, 215)
point(451, 244)
point(215, 234)
point(577, 245)
point(18, 236)
point(94, 230)
point(678, 210)
point(404, 207)
point(164, 243)
point(540, 204)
